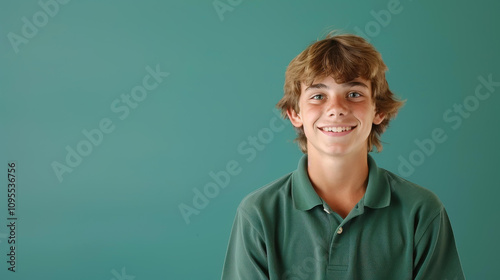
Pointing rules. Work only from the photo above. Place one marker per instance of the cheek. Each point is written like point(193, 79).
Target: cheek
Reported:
point(312, 112)
point(367, 113)
point(308, 120)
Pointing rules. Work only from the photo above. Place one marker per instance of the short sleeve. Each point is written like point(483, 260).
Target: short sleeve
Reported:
point(435, 252)
point(246, 252)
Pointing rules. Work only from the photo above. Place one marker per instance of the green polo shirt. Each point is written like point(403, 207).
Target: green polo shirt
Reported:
point(398, 230)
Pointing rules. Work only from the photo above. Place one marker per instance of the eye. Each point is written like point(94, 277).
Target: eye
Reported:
point(354, 94)
point(317, 97)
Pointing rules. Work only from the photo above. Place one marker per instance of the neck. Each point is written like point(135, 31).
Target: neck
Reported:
point(346, 175)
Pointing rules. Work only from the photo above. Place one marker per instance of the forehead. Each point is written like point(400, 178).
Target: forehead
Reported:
point(329, 83)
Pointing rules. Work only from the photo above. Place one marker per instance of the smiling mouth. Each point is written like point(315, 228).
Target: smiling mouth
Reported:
point(337, 129)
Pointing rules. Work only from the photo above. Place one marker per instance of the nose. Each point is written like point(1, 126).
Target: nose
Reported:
point(336, 106)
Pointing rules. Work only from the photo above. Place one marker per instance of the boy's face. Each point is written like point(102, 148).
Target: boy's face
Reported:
point(337, 118)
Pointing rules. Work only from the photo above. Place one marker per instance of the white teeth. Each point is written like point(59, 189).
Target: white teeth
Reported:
point(337, 129)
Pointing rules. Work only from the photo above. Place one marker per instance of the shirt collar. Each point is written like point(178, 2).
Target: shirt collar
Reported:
point(303, 194)
point(378, 192)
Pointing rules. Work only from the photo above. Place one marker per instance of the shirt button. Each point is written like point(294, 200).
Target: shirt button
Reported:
point(339, 230)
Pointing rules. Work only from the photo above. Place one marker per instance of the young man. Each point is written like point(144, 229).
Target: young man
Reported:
point(339, 216)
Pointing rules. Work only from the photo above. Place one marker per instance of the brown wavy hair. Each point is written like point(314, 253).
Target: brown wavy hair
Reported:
point(343, 57)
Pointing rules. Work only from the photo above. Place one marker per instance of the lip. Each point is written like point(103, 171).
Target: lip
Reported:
point(331, 133)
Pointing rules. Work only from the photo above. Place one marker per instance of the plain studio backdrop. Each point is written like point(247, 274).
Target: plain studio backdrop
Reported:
point(136, 127)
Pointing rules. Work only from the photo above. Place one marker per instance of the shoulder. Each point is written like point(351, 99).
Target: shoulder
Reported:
point(268, 195)
point(419, 207)
point(264, 207)
point(413, 196)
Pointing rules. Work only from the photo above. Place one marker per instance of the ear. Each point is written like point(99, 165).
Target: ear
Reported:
point(295, 118)
point(379, 117)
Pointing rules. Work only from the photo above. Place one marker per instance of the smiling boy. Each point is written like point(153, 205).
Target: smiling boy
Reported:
point(339, 216)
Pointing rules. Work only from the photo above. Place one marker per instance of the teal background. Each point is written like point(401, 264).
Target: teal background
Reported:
point(120, 207)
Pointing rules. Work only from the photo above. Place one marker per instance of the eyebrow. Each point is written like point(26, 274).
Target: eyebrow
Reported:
point(317, 86)
point(355, 83)
point(348, 84)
